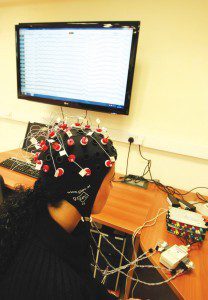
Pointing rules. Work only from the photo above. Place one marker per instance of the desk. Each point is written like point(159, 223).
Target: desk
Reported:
point(127, 208)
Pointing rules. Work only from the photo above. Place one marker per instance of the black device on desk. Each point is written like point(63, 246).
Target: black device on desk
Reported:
point(20, 166)
point(176, 202)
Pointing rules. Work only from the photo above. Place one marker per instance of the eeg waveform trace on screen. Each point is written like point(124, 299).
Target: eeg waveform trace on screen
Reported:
point(79, 66)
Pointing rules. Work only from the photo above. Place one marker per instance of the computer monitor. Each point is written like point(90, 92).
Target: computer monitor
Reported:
point(87, 65)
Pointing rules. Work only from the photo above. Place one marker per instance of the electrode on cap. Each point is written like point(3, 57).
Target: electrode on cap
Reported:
point(98, 129)
point(71, 158)
point(59, 172)
point(85, 172)
point(39, 164)
point(108, 163)
point(84, 140)
point(52, 134)
point(44, 147)
point(63, 126)
point(88, 171)
point(35, 158)
point(56, 146)
point(104, 141)
point(70, 142)
point(46, 168)
point(42, 143)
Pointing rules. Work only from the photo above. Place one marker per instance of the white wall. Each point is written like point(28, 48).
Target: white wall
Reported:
point(169, 99)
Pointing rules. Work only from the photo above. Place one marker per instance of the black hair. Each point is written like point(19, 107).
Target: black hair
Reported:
point(18, 212)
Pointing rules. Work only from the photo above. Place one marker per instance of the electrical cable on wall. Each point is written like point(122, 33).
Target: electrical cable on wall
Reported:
point(130, 140)
point(62, 112)
point(164, 188)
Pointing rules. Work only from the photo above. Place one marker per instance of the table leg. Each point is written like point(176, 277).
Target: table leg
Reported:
point(131, 271)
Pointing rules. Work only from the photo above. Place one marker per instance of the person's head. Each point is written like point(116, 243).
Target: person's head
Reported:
point(77, 165)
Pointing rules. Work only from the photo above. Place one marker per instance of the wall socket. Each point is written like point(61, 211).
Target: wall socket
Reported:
point(123, 136)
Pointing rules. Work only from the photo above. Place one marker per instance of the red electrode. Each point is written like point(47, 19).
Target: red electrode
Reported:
point(44, 147)
point(52, 134)
point(56, 146)
point(71, 158)
point(46, 168)
point(59, 172)
point(84, 140)
point(104, 141)
point(108, 163)
point(88, 171)
point(70, 142)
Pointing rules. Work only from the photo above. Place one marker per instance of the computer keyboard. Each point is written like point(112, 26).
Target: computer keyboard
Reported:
point(20, 167)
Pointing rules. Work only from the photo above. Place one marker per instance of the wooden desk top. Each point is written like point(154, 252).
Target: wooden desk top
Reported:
point(190, 286)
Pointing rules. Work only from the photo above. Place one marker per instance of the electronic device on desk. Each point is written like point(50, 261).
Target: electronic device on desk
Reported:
point(189, 225)
point(135, 181)
point(86, 65)
point(175, 257)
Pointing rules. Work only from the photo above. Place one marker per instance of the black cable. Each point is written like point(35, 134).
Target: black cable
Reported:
point(86, 114)
point(147, 169)
point(168, 189)
point(198, 187)
point(148, 166)
point(127, 162)
point(62, 112)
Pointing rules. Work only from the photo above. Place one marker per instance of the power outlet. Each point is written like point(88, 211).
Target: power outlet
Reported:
point(123, 136)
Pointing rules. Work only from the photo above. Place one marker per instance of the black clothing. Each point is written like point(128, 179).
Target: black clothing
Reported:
point(53, 264)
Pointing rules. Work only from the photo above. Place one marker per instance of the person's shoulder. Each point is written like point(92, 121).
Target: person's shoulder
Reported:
point(37, 273)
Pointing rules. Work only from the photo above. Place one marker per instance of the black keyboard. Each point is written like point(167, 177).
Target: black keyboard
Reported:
point(20, 167)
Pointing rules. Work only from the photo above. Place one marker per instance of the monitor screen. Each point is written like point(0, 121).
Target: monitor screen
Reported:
point(82, 65)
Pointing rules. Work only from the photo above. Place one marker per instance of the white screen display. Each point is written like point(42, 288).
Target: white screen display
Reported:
point(76, 64)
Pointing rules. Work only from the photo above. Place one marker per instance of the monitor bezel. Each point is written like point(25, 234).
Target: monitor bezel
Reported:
point(94, 24)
